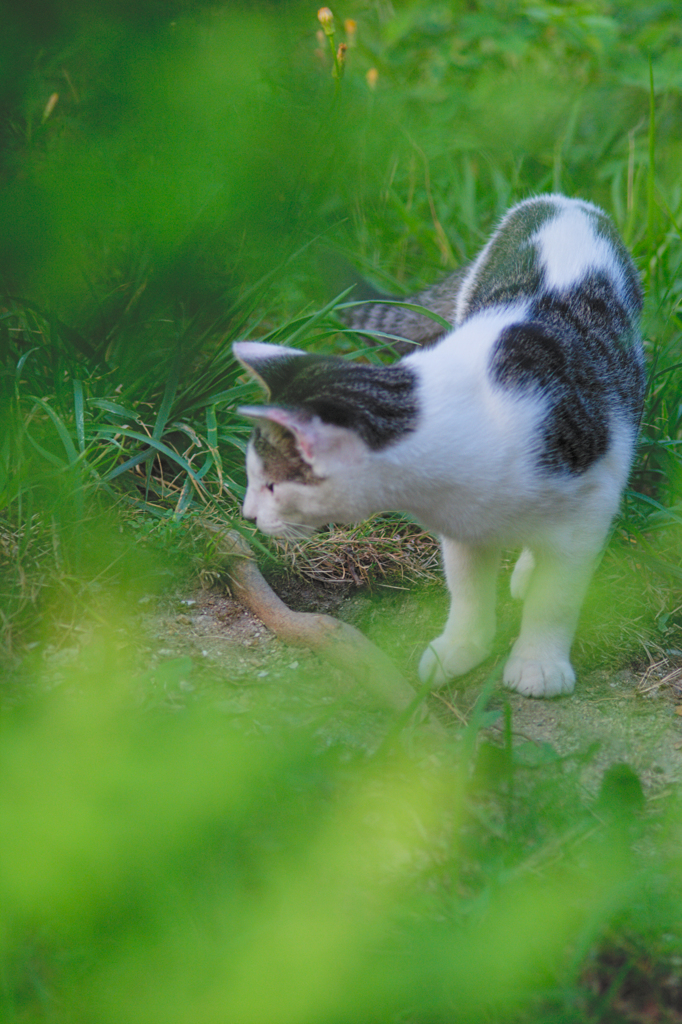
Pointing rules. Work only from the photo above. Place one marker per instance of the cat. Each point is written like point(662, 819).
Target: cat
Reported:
point(377, 314)
point(517, 428)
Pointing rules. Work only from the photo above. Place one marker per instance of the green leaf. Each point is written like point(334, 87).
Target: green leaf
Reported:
point(79, 413)
point(65, 437)
point(128, 464)
point(168, 394)
point(151, 443)
point(114, 408)
point(22, 361)
point(315, 319)
point(212, 426)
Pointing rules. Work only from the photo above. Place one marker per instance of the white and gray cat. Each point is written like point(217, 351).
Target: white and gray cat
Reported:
point(516, 428)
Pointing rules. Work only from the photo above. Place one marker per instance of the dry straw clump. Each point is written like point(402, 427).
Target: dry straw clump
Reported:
point(387, 551)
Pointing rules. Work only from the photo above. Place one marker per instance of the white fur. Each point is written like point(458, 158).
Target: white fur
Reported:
point(563, 265)
point(588, 251)
point(469, 473)
point(522, 574)
point(291, 509)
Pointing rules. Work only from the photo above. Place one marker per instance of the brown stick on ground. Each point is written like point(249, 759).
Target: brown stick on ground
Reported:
point(339, 643)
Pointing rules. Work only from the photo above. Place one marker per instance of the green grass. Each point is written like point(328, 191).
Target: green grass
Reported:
point(212, 865)
point(305, 859)
point(202, 865)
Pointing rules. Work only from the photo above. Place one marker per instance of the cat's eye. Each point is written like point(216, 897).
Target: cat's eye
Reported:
point(270, 487)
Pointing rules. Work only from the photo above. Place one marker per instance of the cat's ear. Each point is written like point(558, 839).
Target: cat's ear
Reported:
point(263, 361)
point(303, 427)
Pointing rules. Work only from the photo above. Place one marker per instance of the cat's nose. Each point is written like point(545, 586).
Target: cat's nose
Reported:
point(250, 506)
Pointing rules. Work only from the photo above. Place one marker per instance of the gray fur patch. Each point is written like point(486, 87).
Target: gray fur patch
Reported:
point(378, 402)
point(511, 268)
point(605, 228)
point(440, 298)
point(581, 349)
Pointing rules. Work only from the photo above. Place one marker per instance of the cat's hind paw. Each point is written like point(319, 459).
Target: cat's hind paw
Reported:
point(539, 677)
point(443, 660)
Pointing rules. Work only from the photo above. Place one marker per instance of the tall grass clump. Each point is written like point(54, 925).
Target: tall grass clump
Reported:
point(172, 177)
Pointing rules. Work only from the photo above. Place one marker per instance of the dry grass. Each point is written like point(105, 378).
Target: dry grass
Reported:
point(26, 564)
point(386, 550)
point(660, 674)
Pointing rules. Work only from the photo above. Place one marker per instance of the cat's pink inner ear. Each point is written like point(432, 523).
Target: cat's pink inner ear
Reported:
point(297, 423)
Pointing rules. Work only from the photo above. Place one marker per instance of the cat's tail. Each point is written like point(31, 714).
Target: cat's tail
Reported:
point(377, 315)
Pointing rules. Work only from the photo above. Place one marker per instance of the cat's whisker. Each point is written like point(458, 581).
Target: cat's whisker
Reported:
point(297, 531)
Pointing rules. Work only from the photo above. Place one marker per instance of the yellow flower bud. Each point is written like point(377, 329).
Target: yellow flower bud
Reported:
point(326, 20)
point(372, 76)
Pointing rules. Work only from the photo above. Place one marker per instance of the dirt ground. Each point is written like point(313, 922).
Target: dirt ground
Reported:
point(205, 638)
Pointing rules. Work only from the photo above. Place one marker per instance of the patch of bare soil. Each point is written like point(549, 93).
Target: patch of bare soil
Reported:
point(609, 709)
point(626, 715)
point(204, 645)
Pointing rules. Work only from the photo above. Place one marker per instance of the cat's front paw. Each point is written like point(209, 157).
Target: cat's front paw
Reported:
point(539, 677)
point(444, 659)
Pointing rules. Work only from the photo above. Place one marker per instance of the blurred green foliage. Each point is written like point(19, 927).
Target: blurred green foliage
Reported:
point(196, 867)
point(168, 174)
point(193, 148)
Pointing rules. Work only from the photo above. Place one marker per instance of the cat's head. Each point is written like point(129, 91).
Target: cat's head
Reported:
point(305, 454)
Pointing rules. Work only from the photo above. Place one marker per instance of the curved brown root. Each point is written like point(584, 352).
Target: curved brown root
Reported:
point(338, 642)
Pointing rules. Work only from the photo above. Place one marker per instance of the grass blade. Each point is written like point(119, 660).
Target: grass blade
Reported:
point(65, 437)
point(168, 394)
point(651, 183)
point(79, 413)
